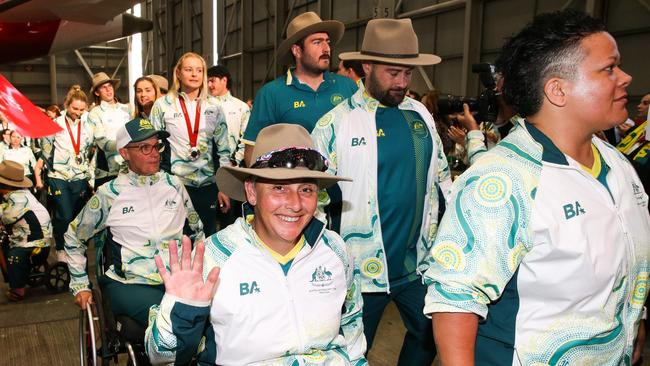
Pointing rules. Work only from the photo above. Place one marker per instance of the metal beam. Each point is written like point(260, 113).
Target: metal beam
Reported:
point(226, 32)
point(83, 63)
point(471, 44)
point(590, 7)
point(207, 31)
point(53, 84)
point(433, 9)
point(169, 36)
point(277, 40)
point(425, 77)
point(566, 5)
point(645, 5)
point(186, 25)
point(117, 68)
point(246, 62)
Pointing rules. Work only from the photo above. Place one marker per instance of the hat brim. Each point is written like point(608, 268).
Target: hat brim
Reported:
point(230, 180)
point(422, 59)
point(116, 84)
point(333, 28)
point(25, 183)
point(161, 135)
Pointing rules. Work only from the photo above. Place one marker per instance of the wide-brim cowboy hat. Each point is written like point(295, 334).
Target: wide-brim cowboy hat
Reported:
point(277, 137)
point(391, 41)
point(101, 78)
point(160, 81)
point(304, 25)
point(13, 174)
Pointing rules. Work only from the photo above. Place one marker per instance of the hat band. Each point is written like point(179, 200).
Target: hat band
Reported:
point(13, 179)
point(390, 55)
point(292, 157)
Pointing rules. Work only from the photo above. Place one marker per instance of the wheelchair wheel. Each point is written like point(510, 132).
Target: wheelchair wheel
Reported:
point(36, 275)
point(58, 278)
point(92, 335)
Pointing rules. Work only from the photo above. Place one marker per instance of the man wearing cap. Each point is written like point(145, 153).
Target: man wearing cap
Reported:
point(107, 117)
point(142, 209)
point(288, 292)
point(389, 145)
point(307, 91)
point(26, 221)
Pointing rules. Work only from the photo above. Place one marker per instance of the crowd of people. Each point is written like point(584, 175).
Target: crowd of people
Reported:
point(301, 219)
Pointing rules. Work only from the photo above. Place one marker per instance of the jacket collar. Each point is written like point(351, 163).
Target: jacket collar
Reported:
point(364, 100)
point(142, 180)
point(223, 98)
point(550, 152)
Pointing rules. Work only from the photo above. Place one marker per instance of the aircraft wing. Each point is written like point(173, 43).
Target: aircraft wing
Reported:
point(83, 11)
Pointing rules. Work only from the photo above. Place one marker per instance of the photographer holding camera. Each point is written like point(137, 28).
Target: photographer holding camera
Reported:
point(493, 120)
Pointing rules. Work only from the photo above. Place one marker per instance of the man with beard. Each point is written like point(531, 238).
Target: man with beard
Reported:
point(307, 91)
point(389, 145)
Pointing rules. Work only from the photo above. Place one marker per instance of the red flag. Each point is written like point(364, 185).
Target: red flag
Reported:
point(29, 120)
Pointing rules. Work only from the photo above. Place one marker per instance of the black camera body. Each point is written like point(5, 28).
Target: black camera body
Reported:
point(485, 105)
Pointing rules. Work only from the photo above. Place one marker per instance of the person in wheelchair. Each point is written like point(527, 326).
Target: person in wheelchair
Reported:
point(142, 209)
point(27, 223)
point(288, 291)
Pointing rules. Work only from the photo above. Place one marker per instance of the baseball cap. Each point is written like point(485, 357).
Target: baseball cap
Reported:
point(136, 130)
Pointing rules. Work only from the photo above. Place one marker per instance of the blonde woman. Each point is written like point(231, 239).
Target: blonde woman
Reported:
point(199, 135)
point(71, 172)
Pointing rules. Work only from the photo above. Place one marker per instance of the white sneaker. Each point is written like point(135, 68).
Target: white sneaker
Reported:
point(61, 256)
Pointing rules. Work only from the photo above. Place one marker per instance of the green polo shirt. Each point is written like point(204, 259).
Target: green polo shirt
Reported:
point(287, 100)
point(404, 150)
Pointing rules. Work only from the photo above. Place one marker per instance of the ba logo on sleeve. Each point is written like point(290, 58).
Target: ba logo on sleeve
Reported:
point(573, 210)
point(128, 209)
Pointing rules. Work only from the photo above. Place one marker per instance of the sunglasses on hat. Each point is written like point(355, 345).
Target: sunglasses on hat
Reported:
point(293, 157)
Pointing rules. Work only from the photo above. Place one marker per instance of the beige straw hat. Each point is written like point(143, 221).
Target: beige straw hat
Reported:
point(13, 174)
point(304, 25)
point(101, 78)
point(391, 41)
point(272, 139)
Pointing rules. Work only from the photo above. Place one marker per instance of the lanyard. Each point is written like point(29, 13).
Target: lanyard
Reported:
point(192, 134)
point(75, 144)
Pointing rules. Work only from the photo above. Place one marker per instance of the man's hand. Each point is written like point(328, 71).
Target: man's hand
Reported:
point(224, 202)
point(83, 298)
point(639, 343)
point(456, 135)
point(185, 280)
point(466, 119)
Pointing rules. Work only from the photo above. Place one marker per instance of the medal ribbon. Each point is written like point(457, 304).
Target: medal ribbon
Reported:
point(75, 144)
point(193, 134)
